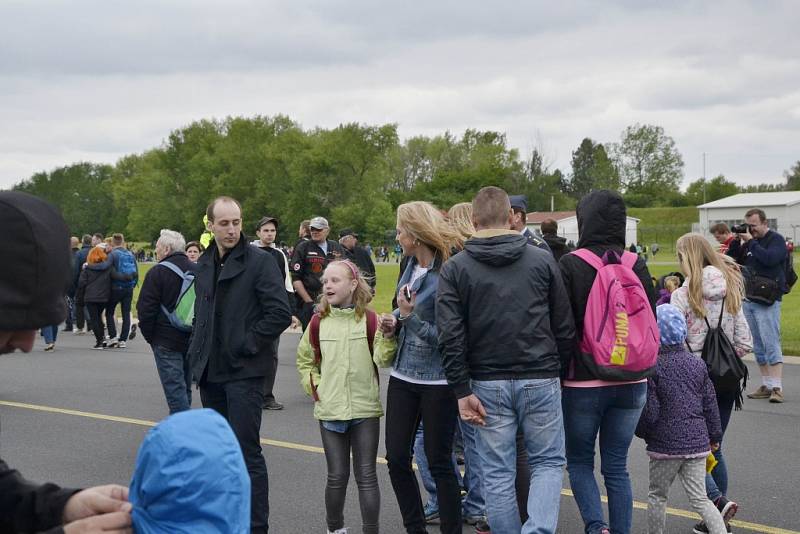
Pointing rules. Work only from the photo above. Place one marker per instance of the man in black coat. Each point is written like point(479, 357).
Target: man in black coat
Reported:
point(358, 255)
point(240, 309)
point(519, 221)
point(33, 282)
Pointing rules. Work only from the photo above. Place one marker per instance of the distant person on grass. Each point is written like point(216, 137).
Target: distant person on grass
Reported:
point(33, 283)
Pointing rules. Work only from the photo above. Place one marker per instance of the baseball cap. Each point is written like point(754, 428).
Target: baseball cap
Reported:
point(265, 220)
point(320, 223)
point(519, 202)
point(346, 232)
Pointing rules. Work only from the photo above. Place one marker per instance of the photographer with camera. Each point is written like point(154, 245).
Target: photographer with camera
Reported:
point(762, 253)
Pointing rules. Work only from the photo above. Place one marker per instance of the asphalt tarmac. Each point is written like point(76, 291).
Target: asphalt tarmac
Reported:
point(76, 416)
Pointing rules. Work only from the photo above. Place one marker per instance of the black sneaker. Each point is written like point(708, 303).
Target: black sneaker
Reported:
point(133, 332)
point(99, 346)
point(727, 508)
point(272, 405)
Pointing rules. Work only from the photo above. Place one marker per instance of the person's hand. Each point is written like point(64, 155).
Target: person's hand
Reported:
point(388, 324)
point(112, 523)
point(404, 305)
point(471, 410)
point(745, 237)
point(714, 446)
point(96, 501)
point(296, 322)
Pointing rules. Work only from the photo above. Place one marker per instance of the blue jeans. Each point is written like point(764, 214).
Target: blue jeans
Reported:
point(425, 471)
point(50, 333)
point(123, 297)
point(717, 481)
point(474, 504)
point(535, 406)
point(613, 412)
point(765, 325)
point(176, 378)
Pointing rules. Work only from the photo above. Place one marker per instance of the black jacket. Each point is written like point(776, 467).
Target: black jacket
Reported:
point(162, 286)
point(558, 245)
point(363, 261)
point(502, 312)
point(601, 225)
point(764, 257)
point(238, 314)
point(94, 286)
point(29, 507)
point(309, 261)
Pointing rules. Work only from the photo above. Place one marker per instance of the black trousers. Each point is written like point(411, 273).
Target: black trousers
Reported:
point(437, 408)
point(95, 320)
point(239, 401)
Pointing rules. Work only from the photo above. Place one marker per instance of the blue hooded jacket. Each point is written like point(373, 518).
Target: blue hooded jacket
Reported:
point(190, 477)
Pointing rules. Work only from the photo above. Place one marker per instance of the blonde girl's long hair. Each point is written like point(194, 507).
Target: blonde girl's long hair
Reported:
point(695, 253)
point(422, 221)
point(361, 296)
point(460, 217)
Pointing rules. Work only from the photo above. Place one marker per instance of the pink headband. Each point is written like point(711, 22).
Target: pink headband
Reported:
point(352, 267)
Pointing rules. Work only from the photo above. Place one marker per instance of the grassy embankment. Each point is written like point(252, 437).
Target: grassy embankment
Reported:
point(387, 277)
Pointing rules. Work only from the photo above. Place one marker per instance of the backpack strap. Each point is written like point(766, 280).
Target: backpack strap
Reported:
point(589, 257)
point(172, 267)
point(313, 338)
point(629, 259)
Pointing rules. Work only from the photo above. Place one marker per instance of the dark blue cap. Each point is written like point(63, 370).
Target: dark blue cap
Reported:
point(519, 202)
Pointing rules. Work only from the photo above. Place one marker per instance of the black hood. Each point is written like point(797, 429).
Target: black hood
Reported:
point(498, 250)
point(601, 219)
point(555, 240)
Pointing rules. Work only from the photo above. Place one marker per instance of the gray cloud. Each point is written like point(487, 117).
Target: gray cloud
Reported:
point(95, 80)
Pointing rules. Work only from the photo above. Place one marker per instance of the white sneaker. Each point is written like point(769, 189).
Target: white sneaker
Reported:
point(75, 330)
point(338, 531)
point(121, 345)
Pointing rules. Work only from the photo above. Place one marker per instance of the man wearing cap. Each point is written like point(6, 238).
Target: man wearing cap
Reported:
point(358, 255)
point(267, 231)
point(33, 283)
point(309, 259)
point(519, 205)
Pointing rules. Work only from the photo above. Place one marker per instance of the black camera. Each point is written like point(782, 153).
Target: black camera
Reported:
point(740, 229)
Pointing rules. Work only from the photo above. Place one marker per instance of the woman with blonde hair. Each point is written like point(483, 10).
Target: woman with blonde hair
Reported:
point(418, 389)
point(460, 217)
point(713, 288)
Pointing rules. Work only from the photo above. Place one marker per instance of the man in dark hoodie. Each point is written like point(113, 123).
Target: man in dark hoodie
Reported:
point(504, 327)
point(558, 245)
point(591, 405)
point(33, 282)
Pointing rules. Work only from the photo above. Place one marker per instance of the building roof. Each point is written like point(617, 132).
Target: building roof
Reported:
point(756, 200)
point(536, 217)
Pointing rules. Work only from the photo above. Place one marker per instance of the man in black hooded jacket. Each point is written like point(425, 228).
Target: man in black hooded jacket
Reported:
point(504, 326)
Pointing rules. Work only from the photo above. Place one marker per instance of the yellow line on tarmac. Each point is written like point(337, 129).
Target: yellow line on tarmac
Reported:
point(756, 527)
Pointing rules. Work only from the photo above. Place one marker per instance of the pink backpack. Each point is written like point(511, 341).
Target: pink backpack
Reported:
point(620, 334)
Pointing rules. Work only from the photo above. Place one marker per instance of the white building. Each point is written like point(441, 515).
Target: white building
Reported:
point(568, 225)
point(782, 209)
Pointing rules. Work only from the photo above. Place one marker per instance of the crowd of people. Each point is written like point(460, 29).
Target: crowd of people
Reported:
point(500, 339)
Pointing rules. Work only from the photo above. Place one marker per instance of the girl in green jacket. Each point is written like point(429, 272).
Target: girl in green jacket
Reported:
point(341, 375)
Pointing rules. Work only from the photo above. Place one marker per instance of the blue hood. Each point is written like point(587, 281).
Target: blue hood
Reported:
point(190, 477)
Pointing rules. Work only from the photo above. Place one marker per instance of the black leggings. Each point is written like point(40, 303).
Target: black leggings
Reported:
point(436, 406)
point(362, 439)
point(95, 320)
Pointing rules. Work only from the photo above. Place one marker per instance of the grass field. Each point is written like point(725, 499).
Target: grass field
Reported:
point(663, 225)
point(386, 274)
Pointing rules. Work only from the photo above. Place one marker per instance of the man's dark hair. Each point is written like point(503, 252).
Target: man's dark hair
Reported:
point(490, 208)
point(99, 236)
point(86, 240)
point(756, 211)
point(719, 228)
point(213, 204)
point(549, 227)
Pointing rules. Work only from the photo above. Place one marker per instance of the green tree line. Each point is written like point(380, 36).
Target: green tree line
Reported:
point(355, 175)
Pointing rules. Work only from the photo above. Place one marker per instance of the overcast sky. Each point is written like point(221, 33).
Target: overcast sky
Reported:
point(95, 80)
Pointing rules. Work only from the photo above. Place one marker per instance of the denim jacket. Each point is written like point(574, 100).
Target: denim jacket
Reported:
point(417, 352)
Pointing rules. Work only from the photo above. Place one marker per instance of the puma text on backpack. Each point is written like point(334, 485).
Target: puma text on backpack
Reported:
point(182, 316)
point(727, 371)
point(313, 338)
point(620, 334)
